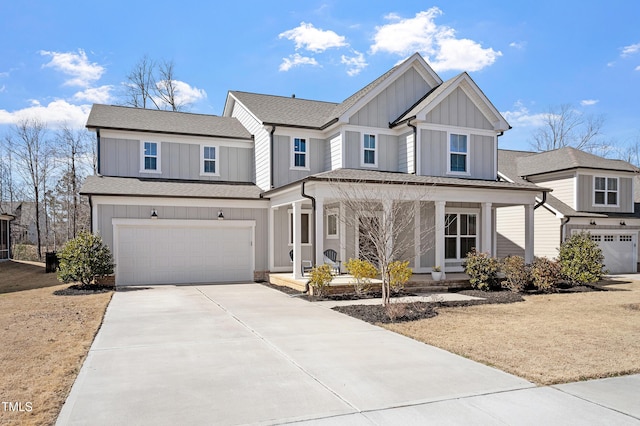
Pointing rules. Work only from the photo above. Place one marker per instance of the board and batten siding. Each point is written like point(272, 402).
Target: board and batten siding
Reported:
point(121, 157)
point(387, 106)
point(433, 155)
point(283, 173)
point(281, 230)
point(563, 185)
point(586, 195)
point(106, 212)
point(458, 110)
point(386, 151)
point(262, 142)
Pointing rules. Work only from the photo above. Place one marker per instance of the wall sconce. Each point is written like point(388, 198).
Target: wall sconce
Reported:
point(220, 215)
point(593, 222)
point(622, 223)
point(154, 214)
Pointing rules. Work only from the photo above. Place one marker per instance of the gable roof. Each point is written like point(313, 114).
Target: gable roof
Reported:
point(169, 122)
point(568, 158)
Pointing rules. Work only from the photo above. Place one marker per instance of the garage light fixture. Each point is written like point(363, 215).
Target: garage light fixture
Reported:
point(622, 223)
point(154, 214)
point(593, 222)
point(220, 215)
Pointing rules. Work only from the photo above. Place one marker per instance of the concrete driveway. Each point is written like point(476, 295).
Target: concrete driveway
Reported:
point(246, 354)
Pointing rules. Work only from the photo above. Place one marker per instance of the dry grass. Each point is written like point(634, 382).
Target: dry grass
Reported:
point(44, 339)
point(547, 339)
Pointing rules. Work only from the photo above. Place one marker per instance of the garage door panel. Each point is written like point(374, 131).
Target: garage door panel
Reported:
point(618, 251)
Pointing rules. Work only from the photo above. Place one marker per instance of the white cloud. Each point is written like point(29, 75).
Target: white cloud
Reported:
point(637, 68)
point(54, 114)
point(76, 65)
point(522, 117)
point(296, 60)
point(313, 39)
point(517, 44)
point(436, 42)
point(3, 88)
point(354, 64)
point(589, 102)
point(630, 50)
point(95, 95)
point(186, 94)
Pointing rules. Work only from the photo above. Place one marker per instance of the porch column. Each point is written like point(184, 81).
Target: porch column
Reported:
point(528, 233)
point(319, 241)
point(342, 232)
point(387, 223)
point(271, 239)
point(485, 217)
point(439, 234)
point(416, 235)
point(297, 240)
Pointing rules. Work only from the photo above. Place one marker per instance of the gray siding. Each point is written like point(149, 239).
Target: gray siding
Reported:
point(261, 168)
point(283, 174)
point(282, 247)
point(387, 152)
point(427, 244)
point(458, 110)
point(482, 161)
point(393, 101)
point(121, 157)
point(585, 195)
point(106, 212)
point(351, 150)
point(433, 155)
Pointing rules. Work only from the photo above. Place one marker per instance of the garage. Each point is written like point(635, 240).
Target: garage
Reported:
point(619, 250)
point(148, 251)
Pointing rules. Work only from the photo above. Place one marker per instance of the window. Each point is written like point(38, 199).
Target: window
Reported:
point(150, 157)
point(305, 225)
point(299, 153)
point(369, 157)
point(606, 191)
point(4, 239)
point(458, 154)
point(209, 160)
point(332, 224)
point(459, 235)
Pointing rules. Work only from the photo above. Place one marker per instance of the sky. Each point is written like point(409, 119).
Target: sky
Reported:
point(58, 58)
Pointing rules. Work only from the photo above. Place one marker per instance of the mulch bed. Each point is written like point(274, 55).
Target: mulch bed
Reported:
point(79, 290)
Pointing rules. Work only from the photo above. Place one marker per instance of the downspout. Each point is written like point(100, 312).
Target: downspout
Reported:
point(312, 231)
point(415, 145)
point(98, 150)
point(563, 229)
point(273, 129)
point(544, 200)
point(90, 214)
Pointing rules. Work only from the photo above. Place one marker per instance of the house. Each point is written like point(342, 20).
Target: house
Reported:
point(23, 227)
point(199, 198)
point(590, 193)
point(5, 236)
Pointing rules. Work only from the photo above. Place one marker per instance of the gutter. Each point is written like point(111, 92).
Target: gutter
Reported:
point(544, 200)
point(296, 126)
point(415, 144)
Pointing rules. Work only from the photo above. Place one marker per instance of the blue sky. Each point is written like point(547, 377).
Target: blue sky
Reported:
point(60, 57)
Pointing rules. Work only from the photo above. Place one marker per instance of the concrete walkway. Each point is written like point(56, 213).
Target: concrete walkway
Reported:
point(246, 354)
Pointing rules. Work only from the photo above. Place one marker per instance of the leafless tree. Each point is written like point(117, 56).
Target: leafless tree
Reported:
point(73, 146)
point(565, 126)
point(166, 86)
point(141, 84)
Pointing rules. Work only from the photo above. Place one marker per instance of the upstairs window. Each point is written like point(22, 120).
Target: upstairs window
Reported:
point(150, 157)
point(606, 191)
point(369, 147)
point(209, 160)
point(299, 153)
point(458, 154)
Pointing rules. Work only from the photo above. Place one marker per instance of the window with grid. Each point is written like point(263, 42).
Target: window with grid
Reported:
point(606, 191)
point(150, 156)
point(460, 235)
point(458, 153)
point(300, 152)
point(209, 159)
point(369, 150)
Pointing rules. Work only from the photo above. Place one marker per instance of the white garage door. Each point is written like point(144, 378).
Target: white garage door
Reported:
point(619, 252)
point(177, 252)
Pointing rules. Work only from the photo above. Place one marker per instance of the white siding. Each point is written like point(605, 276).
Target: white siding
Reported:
point(336, 152)
point(262, 144)
point(563, 188)
point(547, 233)
point(510, 231)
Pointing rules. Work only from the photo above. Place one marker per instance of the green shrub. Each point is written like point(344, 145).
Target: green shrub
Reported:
point(581, 259)
point(516, 273)
point(363, 272)
point(545, 274)
point(320, 279)
point(84, 258)
point(482, 270)
point(399, 274)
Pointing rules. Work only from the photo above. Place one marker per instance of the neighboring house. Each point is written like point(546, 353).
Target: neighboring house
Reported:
point(199, 198)
point(23, 227)
point(5, 235)
point(590, 193)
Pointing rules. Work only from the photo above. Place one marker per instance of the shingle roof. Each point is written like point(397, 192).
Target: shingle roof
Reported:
point(150, 120)
point(140, 187)
point(568, 158)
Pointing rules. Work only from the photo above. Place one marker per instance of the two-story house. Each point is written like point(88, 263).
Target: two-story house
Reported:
point(590, 193)
point(198, 198)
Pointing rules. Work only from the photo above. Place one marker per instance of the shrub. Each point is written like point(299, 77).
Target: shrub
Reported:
point(581, 259)
point(516, 273)
point(362, 272)
point(399, 274)
point(85, 258)
point(545, 273)
point(320, 279)
point(482, 270)
point(395, 310)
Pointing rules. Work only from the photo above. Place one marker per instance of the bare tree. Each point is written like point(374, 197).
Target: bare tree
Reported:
point(565, 126)
point(73, 144)
point(141, 84)
point(166, 86)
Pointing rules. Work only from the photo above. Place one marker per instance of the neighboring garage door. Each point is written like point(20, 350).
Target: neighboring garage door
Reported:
point(619, 251)
point(182, 251)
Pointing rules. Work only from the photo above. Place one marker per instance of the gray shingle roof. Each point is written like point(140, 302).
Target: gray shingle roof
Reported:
point(568, 158)
point(138, 187)
point(150, 120)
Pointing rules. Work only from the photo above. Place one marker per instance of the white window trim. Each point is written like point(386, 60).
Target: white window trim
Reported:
point(290, 221)
point(375, 150)
point(332, 212)
point(293, 153)
point(468, 154)
point(158, 170)
point(458, 212)
point(217, 160)
point(606, 191)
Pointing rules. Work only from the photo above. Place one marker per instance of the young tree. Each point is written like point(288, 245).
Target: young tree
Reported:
point(84, 259)
point(565, 126)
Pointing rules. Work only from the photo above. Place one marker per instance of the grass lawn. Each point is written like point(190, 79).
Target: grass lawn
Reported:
point(45, 339)
point(547, 339)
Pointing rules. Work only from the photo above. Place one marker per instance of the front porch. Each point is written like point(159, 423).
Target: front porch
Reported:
point(341, 284)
